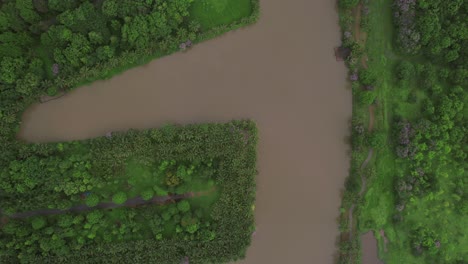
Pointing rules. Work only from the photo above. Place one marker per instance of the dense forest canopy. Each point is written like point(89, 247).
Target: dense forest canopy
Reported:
point(186, 191)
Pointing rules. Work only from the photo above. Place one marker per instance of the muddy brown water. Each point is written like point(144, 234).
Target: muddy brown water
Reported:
point(280, 72)
point(369, 249)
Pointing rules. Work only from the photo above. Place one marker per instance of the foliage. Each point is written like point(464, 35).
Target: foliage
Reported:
point(119, 198)
point(147, 194)
point(348, 3)
point(417, 194)
point(405, 70)
point(183, 206)
point(212, 153)
point(377, 140)
point(92, 200)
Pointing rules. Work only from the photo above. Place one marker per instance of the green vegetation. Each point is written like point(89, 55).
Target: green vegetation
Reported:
point(202, 178)
point(213, 13)
point(155, 196)
point(416, 183)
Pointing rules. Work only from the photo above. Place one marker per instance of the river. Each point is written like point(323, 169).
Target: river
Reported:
point(280, 72)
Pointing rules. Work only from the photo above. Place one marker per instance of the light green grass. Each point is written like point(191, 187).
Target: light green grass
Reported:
point(213, 13)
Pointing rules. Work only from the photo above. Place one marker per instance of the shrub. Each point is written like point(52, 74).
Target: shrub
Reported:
point(366, 97)
point(367, 77)
point(377, 140)
point(119, 198)
point(52, 91)
point(348, 3)
point(405, 70)
point(94, 216)
point(147, 194)
point(183, 206)
point(38, 223)
point(92, 200)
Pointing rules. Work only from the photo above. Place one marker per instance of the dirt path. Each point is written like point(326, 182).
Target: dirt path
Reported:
point(132, 202)
point(360, 36)
point(382, 233)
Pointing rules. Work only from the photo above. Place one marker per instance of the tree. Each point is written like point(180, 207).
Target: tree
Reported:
point(92, 200)
point(405, 70)
point(94, 216)
point(135, 32)
point(109, 8)
point(56, 36)
point(366, 97)
point(62, 5)
point(38, 223)
point(367, 77)
point(183, 206)
point(10, 69)
point(147, 194)
point(119, 198)
point(27, 84)
point(65, 220)
point(377, 140)
point(105, 53)
point(95, 38)
point(348, 3)
point(27, 12)
point(4, 23)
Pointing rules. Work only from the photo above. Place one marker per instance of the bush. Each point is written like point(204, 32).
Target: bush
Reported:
point(147, 194)
point(377, 140)
point(183, 206)
point(52, 91)
point(367, 77)
point(366, 97)
point(92, 200)
point(119, 198)
point(405, 70)
point(348, 3)
point(38, 223)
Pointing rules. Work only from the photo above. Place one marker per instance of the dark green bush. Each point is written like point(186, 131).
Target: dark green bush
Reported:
point(405, 70)
point(119, 198)
point(348, 3)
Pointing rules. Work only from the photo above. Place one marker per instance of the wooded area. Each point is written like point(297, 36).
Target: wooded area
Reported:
point(216, 160)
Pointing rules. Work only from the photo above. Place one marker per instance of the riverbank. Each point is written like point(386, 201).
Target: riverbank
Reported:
point(353, 22)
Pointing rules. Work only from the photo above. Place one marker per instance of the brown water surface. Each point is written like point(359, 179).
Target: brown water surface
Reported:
point(280, 72)
point(369, 249)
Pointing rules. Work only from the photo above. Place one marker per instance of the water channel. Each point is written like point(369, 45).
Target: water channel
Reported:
point(280, 72)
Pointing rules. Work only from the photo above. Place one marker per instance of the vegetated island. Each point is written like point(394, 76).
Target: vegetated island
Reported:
point(408, 181)
point(169, 195)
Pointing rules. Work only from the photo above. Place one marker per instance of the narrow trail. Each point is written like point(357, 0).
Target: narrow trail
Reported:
point(132, 202)
point(360, 36)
